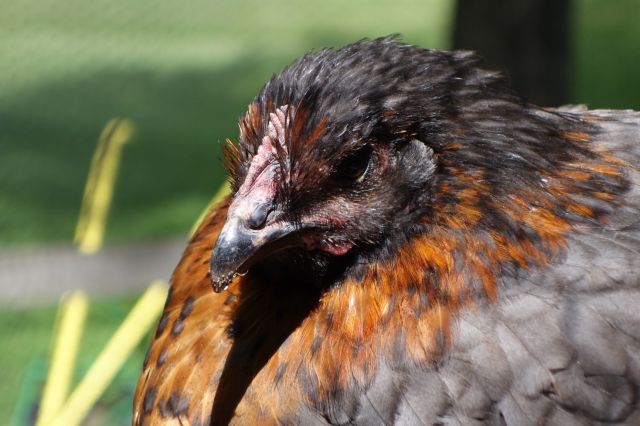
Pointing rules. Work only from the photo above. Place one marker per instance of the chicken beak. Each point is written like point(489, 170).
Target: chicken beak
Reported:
point(254, 228)
point(238, 247)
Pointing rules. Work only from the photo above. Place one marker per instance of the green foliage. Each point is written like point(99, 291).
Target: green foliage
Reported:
point(27, 334)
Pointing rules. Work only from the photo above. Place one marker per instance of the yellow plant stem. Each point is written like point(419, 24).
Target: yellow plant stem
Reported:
point(73, 314)
point(98, 190)
point(132, 330)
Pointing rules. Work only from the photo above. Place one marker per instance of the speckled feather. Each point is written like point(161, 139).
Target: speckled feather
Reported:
point(494, 277)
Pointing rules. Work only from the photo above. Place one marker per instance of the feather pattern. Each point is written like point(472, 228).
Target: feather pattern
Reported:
point(493, 278)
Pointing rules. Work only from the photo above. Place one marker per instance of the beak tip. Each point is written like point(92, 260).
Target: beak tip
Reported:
point(238, 247)
point(219, 289)
point(220, 283)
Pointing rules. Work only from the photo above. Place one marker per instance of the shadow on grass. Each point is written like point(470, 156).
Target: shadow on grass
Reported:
point(167, 174)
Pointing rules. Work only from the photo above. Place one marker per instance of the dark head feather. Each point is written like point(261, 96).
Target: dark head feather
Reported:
point(482, 143)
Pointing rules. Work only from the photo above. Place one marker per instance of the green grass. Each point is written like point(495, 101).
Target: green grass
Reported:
point(607, 60)
point(26, 338)
point(182, 71)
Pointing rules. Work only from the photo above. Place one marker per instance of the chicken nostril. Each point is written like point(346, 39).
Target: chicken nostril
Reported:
point(259, 216)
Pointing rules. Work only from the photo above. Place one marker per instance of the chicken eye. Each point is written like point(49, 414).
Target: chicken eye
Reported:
point(354, 167)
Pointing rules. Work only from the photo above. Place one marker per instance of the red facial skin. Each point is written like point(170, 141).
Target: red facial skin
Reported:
point(261, 184)
point(314, 241)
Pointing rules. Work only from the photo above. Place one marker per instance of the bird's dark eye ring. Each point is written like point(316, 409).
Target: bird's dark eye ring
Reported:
point(354, 167)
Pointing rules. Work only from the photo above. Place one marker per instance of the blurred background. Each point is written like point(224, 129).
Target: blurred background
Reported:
point(181, 73)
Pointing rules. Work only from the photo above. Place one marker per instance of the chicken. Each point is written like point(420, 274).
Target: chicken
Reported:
point(408, 242)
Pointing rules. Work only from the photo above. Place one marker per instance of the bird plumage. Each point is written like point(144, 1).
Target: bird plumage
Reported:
point(408, 242)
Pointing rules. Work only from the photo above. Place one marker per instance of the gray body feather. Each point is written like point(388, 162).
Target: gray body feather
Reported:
point(562, 344)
